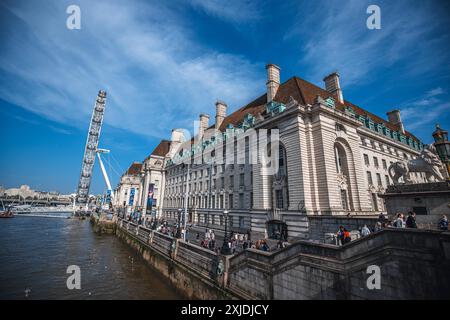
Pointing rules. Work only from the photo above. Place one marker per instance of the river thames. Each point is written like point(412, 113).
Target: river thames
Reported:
point(35, 253)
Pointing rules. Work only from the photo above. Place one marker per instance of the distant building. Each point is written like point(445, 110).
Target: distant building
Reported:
point(127, 193)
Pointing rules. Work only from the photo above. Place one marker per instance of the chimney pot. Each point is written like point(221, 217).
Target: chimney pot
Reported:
point(221, 113)
point(204, 123)
point(395, 119)
point(333, 86)
point(273, 81)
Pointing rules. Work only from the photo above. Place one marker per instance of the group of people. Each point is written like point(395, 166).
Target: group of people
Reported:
point(410, 222)
point(343, 235)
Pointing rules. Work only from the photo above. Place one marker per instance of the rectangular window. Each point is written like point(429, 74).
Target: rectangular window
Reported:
point(241, 179)
point(386, 177)
point(279, 199)
point(231, 182)
point(222, 182)
point(369, 178)
point(374, 202)
point(384, 164)
point(251, 200)
point(344, 199)
point(241, 222)
point(379, 180)
point(241, 201)
point(366, 160)
point(230, 201)
point(420, 210)
point(221, 202)
point(375, 162)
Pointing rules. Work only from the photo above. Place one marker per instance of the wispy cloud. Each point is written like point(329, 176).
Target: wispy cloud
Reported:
point(338, 39)
point(236, 11)
point(156, 77)
point(425, 110)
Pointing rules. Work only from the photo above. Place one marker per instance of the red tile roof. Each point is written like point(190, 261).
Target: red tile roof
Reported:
point(161, 149)
point(305, 93)
point(134, 169)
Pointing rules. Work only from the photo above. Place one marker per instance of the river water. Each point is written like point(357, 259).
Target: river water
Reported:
point(35, 253)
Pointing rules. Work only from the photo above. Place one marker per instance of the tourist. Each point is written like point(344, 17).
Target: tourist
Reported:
point(280, 244)
point(443, 223)
point(399, 222)
point(411, 220)
point(341, 235)
point(212, 235)
point(197, 236)
point(365, 231)
point(264, 246)
point(378, 226)
point(347, 237)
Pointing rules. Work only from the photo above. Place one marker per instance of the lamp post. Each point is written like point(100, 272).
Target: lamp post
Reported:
point(186, 200)
point(442, 147)
point(225, 248)
point(179, 223)
point(145, 178)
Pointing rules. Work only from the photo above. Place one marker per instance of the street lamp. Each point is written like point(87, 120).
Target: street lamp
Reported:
point(442, 147)
point(179, 223)
point(225, 247)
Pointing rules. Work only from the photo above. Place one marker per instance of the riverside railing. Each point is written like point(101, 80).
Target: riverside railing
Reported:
point(200, 260)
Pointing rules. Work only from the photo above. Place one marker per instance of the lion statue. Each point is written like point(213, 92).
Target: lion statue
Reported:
point(428, 162)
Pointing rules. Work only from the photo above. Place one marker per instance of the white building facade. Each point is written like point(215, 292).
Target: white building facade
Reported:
point(332, 160)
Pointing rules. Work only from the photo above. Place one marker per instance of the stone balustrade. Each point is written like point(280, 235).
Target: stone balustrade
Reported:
point(305, 269)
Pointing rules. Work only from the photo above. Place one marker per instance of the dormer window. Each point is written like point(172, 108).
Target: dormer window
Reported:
point(274, 108)
point(330, 102)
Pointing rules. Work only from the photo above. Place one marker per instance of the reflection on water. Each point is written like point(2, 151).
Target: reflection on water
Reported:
point(35, 254)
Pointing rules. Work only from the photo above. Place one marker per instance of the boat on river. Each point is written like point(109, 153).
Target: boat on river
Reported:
point(6, 214)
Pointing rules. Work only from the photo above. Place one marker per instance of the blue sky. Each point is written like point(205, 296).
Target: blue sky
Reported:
point(164, 62)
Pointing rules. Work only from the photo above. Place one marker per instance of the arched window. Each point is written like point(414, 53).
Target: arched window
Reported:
point(343, 176)
point(281, 191)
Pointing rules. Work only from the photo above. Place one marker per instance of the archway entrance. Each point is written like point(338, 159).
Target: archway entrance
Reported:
point(277, 230)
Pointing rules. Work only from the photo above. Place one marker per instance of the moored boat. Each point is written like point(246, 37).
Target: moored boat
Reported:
point(6, 214)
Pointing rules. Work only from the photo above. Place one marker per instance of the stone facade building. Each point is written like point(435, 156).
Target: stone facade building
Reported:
point(127, 193)
point(333, 159)
point(153, 181)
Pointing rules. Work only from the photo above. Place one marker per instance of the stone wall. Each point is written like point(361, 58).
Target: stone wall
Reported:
point(321, 225)
point(307, 270)
point(191, 269)
point(429, 200)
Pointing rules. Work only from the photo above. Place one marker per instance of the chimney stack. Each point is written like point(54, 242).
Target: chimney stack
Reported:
point(333, 86)
point(395, 119)
point(204, 123)
point(221, 113)
point(273, 81)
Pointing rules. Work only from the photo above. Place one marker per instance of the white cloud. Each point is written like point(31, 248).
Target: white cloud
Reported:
point(236, 11)
point(338, 39)
point(156, 77)
point(424, 111)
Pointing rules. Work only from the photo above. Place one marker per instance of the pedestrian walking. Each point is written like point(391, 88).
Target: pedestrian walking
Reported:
point(411, 220)
point(365, 231)
point(399, 222)
point(443, 223)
